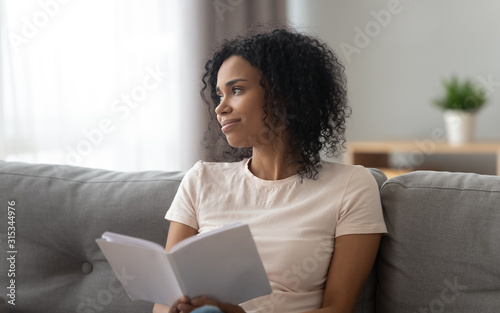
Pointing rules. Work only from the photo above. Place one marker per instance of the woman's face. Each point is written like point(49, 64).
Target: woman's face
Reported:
point(240, 110)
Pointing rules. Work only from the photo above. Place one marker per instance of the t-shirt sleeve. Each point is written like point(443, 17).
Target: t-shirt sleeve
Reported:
point(184, 206)
point(361, 209)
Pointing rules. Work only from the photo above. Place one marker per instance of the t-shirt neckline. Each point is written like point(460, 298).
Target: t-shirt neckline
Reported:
point(267, 183)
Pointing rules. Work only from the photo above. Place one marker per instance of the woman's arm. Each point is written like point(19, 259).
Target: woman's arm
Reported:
point(176, 233)
point(351, 264)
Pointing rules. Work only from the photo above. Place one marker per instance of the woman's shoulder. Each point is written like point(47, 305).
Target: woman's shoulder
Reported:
point(345, 172)
point(339, 168)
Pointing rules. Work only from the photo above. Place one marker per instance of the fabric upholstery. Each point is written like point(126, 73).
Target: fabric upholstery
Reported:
point(442, 251)
point(367, 296)
point(60, 211)
point(3, 306)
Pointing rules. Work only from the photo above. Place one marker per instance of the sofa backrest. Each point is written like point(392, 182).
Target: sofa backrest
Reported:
point(59, 212)
point(442, 251)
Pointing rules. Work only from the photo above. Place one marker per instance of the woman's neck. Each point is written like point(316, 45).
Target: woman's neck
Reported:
point(270, 164)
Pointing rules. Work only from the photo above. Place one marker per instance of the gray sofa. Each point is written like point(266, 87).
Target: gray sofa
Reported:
point(442, 253)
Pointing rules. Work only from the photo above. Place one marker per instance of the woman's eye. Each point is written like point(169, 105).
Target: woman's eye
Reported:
point(236, 90)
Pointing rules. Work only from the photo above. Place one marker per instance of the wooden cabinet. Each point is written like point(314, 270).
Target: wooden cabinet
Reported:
point(376, 153)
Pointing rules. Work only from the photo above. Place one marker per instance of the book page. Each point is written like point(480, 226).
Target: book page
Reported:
point(109, 236)
point(145, 273)
point(223, 264)
point(198, 237)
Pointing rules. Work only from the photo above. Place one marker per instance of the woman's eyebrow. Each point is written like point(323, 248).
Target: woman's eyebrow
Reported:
point(231, 82)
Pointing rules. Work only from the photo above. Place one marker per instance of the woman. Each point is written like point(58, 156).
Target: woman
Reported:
point(280, 99)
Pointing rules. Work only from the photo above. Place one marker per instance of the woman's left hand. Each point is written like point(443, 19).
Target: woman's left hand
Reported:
point(201, 301)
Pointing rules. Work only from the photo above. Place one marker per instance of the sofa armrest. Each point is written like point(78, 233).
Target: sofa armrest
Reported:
point(441, 252)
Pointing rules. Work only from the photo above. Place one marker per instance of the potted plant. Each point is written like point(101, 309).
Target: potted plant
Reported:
point(460, 104)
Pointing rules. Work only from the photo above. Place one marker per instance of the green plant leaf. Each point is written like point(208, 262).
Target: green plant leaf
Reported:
point(461, 95)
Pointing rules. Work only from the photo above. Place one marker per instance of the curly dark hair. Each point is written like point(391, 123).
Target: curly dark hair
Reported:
point(306, 85)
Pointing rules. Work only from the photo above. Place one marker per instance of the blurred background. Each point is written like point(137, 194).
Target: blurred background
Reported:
point(115, 84)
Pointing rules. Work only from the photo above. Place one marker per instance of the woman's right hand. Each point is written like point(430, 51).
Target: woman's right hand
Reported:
point(175, 306)
point(160, 308)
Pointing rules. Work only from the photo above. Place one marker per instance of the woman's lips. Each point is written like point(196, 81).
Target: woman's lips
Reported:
point(228, 124)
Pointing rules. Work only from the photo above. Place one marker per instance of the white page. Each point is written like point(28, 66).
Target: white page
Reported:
point(191, 239)
point(222, 264)
point(114, 237)
point(145, 273)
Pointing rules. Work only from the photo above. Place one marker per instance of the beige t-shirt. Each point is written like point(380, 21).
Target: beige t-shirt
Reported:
point(294, 224)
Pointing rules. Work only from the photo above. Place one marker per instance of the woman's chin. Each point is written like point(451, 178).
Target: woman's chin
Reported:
point(239, 146)
point(238, 143)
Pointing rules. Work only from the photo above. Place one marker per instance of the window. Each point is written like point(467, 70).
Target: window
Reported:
point(88, 83)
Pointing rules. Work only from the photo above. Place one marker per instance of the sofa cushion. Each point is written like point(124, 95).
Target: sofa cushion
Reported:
point(59, 212)
point(442, 251)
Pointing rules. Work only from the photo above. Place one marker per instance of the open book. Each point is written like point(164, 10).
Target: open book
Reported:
point(222, 264)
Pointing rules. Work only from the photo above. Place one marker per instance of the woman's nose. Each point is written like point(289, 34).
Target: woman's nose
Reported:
point(222, 108)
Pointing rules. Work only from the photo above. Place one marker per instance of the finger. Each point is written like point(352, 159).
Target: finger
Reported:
point(185, 307)
point(175, 306)
point(184, 299)
point(203, 300)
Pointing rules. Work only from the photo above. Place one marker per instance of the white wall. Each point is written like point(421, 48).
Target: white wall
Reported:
point(394, 76)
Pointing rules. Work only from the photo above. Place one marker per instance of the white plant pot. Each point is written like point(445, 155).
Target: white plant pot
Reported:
point(460, 126)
